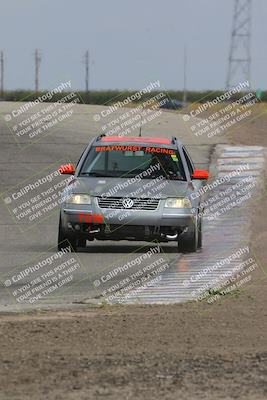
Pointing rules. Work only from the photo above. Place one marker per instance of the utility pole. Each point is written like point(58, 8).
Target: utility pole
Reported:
point(86, 57)
point(2, 74)
point(239, 62)
point(37, 58)
point(185, 78)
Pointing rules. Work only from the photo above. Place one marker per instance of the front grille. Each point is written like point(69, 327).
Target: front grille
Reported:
point(118, 203)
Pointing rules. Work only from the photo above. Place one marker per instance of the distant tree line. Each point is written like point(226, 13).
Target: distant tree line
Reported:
point(112, 96)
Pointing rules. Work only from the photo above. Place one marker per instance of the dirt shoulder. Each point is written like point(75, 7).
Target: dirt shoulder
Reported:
point(180, 351)
point(188, 351)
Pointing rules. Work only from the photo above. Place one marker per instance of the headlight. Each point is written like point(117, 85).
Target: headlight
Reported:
point(178, 203)
point(78, 199)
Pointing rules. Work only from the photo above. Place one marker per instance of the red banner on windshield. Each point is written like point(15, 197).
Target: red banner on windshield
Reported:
point(158, 150)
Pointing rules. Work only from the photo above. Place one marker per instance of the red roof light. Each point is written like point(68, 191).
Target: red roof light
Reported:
point(135, 139)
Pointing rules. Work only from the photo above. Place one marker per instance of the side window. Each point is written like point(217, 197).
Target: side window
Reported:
point(189, 162)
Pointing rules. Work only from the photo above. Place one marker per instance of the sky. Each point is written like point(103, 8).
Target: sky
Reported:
point(131, 42)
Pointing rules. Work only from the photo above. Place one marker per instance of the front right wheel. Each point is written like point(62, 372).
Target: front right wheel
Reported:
point(189, 241)
point(64, 241)
point(199, 242)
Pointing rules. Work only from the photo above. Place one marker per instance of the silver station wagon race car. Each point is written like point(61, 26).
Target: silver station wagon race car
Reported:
point(132, 188)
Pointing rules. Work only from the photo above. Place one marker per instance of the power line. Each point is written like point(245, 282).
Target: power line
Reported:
point(87, 64)
point(185, 78)
point(239, 63)
point(2, 74)
point(37, 58)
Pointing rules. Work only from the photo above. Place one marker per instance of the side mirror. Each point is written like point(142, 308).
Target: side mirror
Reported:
point(200, 174)
point(67, 169)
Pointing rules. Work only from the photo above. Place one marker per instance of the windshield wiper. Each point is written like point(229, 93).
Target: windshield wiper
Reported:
point(174, 175)
point(165, 174)
point(176, 178)
point(100, 174)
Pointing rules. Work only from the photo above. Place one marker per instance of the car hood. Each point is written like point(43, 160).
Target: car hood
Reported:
point(119, 187)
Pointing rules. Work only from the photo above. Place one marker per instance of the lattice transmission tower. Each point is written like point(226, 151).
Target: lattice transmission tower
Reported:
point(239, 63)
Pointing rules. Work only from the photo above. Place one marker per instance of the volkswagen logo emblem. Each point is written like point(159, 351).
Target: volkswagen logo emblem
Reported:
point(127, 203)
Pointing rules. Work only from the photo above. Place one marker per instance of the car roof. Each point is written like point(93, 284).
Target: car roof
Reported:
point(133, 139)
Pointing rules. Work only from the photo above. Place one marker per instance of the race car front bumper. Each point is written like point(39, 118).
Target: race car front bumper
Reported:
point(92, 221)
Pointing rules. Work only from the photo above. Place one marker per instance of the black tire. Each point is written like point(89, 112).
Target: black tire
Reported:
point(64, 241)
point(188, 241)
point(199, 242)
point(81, 242)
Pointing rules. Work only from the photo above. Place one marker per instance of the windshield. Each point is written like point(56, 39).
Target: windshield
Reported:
point(129, 161)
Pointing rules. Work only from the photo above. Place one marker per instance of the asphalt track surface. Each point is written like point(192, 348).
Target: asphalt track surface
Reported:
point(21, 159)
